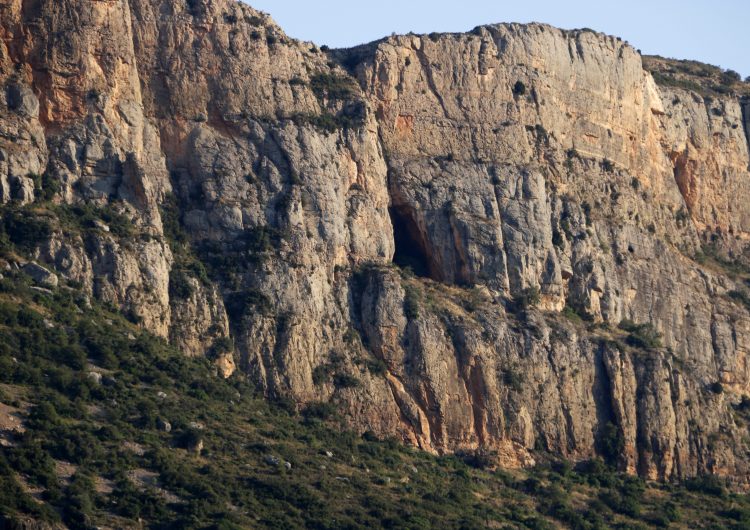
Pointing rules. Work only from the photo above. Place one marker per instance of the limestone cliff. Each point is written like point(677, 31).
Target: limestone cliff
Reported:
point(534, 188)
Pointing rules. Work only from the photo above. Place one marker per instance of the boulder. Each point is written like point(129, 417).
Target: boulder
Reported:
point(40, 275)
point(163, 425)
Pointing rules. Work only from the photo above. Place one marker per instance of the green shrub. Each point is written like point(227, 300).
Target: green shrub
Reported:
point(45, 186)
point(350, 117)
point(321, 374)
point(25, 229)
point(682, 216)
point(345, 381)
point(730, 77)
point(513, 379)
point(332, 86)
point(83, 217)
point(571, 314)
point(622, 502)
point(179, 285)
point(519, 88)
point(709, 484)
point(170, 219)
point(526, 299)
point(79, 501)
point(221, 346)
point(240, 303)
point(480, 458)
point(611, 443)
point(13, 499)
point(712, 254)
point(377, 367)
point(741, 297)
point(320, 410)
point(642, 336)
point(411, 302)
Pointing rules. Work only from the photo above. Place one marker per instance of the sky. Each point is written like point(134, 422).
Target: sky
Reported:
point(715, 32)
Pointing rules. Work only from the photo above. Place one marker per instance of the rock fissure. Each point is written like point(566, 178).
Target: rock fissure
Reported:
point(745, 105)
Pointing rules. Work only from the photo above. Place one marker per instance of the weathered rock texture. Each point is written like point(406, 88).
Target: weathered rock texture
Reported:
point(270, 185)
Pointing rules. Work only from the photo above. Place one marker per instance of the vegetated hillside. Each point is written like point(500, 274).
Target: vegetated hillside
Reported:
point(104, 425)
point(513, 241)
point(697, 77)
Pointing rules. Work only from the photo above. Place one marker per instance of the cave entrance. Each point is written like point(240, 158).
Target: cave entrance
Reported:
point(410, 246)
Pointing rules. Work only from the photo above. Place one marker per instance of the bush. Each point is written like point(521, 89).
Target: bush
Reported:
point(519, 89)
point(79, 501)
point(479, 459)
point(377, 367)
point(332, 86)
point(325, 121)
point(179, 285)
point(642, 336)
point(611, 443)
point(321, 374)
point(571, 314)
point(513, 379)
point(345, 381)
point(730, 77)
point(670, 512)
point(320, 410)
point(170, 219)
point(620, 502)
point(709, 484)
point(240, 303)
point(221, 346)
point(529, 297)
point(411, 303)
point(741, 297)
point(46, 186)
point(190, 438)
point(13, 498)
point(83, 217)
point(25, 229)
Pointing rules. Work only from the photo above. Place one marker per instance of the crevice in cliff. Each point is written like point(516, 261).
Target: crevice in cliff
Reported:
point(428, 70)
point(606, 417)
point(745, 108)
point(410, 245)
point(683, 176)
point(476, 389)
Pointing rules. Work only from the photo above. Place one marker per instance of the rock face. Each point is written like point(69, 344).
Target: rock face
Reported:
point(534, 186)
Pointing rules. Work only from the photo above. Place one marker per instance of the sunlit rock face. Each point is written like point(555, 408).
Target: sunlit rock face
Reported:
point(538, 184)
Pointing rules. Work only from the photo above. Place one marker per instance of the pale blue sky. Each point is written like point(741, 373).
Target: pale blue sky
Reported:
point(717, 32)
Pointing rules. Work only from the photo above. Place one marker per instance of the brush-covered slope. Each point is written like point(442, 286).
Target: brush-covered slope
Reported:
point(103, 425)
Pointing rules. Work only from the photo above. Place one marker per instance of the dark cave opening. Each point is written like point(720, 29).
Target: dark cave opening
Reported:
point(410, 246)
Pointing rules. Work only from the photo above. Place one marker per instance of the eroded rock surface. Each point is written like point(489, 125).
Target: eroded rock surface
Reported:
point(237, 184)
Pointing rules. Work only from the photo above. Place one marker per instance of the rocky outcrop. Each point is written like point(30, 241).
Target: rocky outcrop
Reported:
point(707, 145)
point(40, 275)
point(547, 161)
point(278, 204)
point(245, 195)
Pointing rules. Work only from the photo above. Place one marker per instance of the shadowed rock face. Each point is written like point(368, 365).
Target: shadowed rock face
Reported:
point(527, 175)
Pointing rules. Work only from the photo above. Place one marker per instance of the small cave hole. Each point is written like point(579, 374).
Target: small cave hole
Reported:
point(411, 250)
